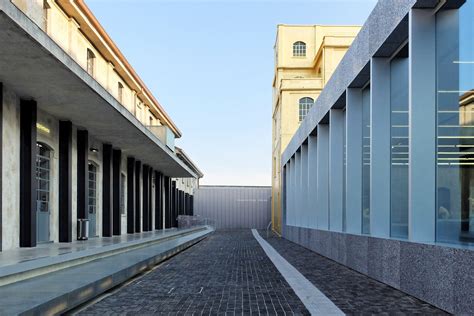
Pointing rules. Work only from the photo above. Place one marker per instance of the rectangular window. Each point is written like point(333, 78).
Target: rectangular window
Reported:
point(455, 123)
point(366, 156)
point(92, 196)
point(399, 145)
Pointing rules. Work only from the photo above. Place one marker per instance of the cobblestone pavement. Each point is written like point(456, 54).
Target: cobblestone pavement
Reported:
point(227, 273)
point(352, 292)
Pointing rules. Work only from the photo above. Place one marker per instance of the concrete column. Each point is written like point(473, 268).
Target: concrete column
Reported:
point(28, 115)
point(354, 160)
point(130, 195)
point(2, 168)
point(380, 147)
point(298, 195)
point(107, 199)
point(65, 181)
point(138, 169)
point(167, 194)
point(291, 211)
point(116, 217)
point(82, 173)
point(284, 197)
point(305, 209)
point(145, 198)
point(158, 201)
point(336, 160)
point(286, 186)
point(323, 177)
point(150, 199)
point(174, 203)
point(422, 118)
point(312, 180)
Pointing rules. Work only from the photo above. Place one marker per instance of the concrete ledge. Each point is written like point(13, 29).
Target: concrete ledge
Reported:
point(438, 274)
point(33, 268)
point(63, 290)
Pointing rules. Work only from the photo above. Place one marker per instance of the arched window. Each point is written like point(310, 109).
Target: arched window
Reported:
point(299, 49)
point(90, 62)
point(305, 105)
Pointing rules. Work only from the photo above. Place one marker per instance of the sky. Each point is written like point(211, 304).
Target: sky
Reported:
point(210, 64)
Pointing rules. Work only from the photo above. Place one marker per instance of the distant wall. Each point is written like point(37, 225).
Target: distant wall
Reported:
point(234, 207)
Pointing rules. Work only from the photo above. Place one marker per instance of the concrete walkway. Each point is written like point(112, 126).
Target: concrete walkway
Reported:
point(57, 292)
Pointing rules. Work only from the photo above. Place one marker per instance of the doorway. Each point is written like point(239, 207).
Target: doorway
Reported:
point(92, 199)
point(43, 178)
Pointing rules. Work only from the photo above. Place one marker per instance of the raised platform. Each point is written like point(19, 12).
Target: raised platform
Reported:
point(82, 270)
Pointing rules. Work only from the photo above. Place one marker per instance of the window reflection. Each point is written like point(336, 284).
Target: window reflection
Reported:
point(366, 160)
point(455, 126)
point(399, 145)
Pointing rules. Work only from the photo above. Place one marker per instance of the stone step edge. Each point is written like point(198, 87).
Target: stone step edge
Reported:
point(34, 268)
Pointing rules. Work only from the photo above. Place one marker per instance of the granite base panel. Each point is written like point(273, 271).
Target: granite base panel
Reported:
point(439, 275)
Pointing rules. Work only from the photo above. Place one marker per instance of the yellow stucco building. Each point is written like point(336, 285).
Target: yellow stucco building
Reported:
point(305, 58)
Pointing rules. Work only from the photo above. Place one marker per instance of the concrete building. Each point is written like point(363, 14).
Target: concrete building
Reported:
point(379, 175)
point(305, 58)
point(82, 135)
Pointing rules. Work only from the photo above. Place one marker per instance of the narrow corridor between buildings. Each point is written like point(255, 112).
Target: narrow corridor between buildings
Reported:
point(230, 273)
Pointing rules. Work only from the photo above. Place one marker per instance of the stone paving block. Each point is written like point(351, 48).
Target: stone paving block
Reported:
point(228, 273)
point(352, 292)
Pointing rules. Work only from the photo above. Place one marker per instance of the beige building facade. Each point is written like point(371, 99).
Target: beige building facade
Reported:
point(305, 58)
point(83, 138)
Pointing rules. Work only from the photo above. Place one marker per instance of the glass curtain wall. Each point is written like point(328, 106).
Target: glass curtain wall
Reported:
point(455, 122)
point(366, 160)
point(344, 168)
point(399, 145)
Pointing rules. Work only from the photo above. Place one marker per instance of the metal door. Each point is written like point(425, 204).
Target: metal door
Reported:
point(43, 176)
point(92, 201)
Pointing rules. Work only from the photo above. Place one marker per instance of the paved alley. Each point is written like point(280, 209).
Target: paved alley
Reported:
point(229, 273)
point(226, 273)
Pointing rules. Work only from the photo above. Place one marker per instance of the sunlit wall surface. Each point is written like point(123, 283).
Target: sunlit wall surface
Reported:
point(455, 125)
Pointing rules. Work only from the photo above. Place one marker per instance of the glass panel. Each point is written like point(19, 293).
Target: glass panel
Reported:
point(344, 165)
point(92, 188)
point(455, 123)
point(366, 160)
point(43, 155)
point(399, 148)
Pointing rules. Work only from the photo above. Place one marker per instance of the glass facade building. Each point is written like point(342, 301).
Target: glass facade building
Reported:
point(404, 166)
point(388, 118)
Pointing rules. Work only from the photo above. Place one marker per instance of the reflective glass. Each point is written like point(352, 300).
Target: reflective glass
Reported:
point(399, 148)
point(366, 161)
point(455, 123)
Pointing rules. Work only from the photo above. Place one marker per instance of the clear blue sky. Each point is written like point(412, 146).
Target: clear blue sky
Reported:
point(210, 64)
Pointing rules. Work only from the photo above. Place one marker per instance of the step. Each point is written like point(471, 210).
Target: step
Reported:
point(19, 271)
point(58, 292)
